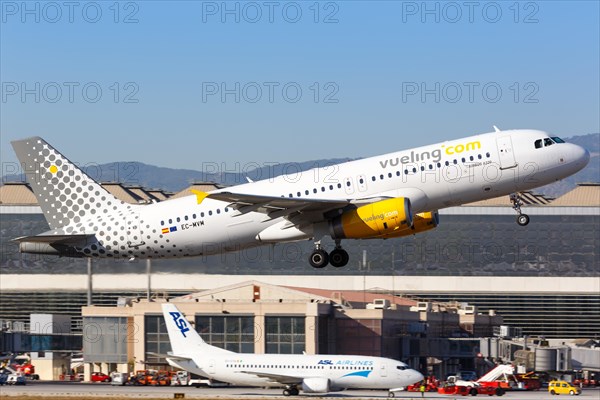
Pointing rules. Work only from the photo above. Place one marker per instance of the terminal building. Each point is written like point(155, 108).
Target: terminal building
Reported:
point(255, 317)
point(542, 278)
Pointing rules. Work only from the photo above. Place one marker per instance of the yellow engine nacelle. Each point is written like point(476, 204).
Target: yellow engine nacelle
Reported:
point(373, 220)
point(421, 222)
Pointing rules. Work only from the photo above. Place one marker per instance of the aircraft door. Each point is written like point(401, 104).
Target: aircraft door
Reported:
point(505, 152)
point(348, 185)
point(134, 230)
point(383, 370)
point(362, 183)
point(211, 367)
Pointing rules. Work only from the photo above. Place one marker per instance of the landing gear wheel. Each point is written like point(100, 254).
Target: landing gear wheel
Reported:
point(287, 392)
point(338, 257)
point(515, 199)
point(318, 258)
point(522, 219)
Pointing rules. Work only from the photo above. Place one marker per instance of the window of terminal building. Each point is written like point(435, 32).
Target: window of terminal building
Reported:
point(105, 339)
point(285, 335)
point(156, 340)
point(358, 336)
point(234, 333)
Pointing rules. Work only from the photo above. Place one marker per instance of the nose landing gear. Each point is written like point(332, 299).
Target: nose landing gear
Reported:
point(515, 199)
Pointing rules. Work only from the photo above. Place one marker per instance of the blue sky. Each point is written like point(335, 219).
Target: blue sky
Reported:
point(143, 81)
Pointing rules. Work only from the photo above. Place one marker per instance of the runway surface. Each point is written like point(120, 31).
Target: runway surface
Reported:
point(101, 390)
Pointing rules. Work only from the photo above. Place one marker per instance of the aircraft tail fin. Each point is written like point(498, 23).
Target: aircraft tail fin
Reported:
point(64, 192)
point(183, 337)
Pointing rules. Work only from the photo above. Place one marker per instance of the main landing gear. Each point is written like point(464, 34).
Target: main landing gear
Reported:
point(291, 390)
point(515, 199)
point(319, 258)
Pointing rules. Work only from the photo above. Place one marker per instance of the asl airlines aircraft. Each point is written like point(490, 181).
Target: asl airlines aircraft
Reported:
point(388, 196)
point(311, 373)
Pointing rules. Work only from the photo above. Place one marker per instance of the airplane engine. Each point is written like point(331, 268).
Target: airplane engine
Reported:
point(315, 385)
point(421, 222)
point(373, 220)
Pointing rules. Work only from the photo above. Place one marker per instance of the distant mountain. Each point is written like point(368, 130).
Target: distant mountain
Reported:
point(169, 179)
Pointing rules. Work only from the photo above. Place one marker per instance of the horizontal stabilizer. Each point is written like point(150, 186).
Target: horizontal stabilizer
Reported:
point(65, 240)
point(170, 356)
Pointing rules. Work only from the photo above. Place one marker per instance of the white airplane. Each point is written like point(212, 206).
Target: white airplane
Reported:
point(381, 197)
point(311, 373)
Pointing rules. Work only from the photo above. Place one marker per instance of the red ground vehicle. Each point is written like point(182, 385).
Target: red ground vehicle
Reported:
point(100, 377)
point(431, 385)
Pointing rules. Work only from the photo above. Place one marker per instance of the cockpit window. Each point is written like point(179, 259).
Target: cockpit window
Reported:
point(548, 142)
point(401, 367)
point(538, 144)
point(558, 140)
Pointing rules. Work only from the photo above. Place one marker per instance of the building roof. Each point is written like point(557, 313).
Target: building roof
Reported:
point(122, 193)
point(528, 198)
point(585, 194)
point(356, 297)
point(253, 290)
point(200, 186)
point(17, 193)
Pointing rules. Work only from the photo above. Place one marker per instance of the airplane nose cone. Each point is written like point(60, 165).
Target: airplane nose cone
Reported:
point(417, 376)
point(586, 157)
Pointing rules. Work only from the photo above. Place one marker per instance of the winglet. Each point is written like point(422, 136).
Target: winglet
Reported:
point(200, 196)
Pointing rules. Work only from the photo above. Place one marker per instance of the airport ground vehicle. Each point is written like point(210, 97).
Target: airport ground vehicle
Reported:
point(562, 387)
point(118, 378)
point(16, 379)
point(100, 377)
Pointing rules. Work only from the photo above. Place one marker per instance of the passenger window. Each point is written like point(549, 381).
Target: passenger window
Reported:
point(306, 192)
point(339, 185)
point(538, 144)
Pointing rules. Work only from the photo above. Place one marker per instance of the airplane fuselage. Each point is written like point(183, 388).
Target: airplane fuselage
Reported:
point(341, 372)
point(430, 177)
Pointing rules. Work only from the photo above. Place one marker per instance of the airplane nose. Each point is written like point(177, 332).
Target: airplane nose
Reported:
point(418, 376)
point(586, 156)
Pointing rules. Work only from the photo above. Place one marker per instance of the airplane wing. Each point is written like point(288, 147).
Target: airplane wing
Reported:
point(312, 210)
point(283, 379)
